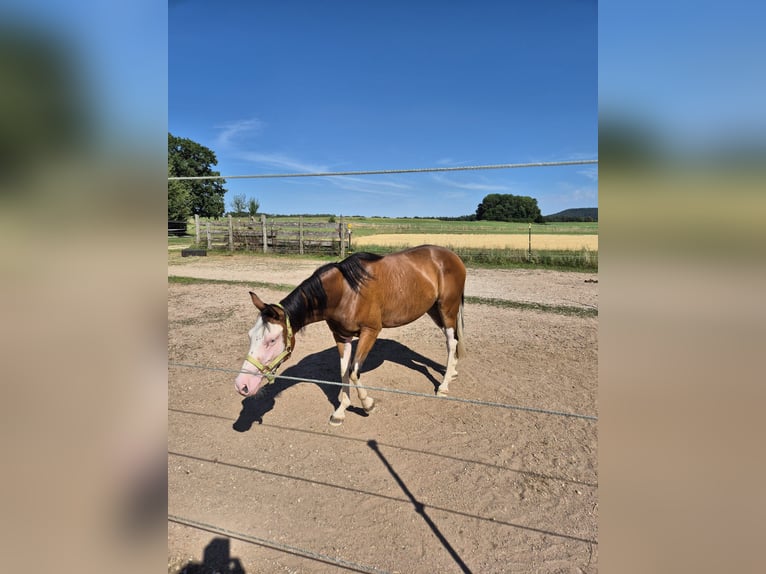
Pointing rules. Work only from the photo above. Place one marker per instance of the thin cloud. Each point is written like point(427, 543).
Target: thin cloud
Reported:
point(455, 195)
point(372, 187)
point(234, 129)
point(575, 156)
point(589, 172)
point(282, 161)
point(347, 181)
point(449, 162)
point(470, 186)
point(578, 195)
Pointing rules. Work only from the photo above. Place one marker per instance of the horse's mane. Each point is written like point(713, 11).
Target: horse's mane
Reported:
point(310, 296)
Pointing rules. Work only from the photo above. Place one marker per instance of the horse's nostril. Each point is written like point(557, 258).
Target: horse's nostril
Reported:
point(244, 389)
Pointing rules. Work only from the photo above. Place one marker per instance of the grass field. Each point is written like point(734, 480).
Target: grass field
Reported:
point(548, 241)
point(570, 245)
point(363, 226)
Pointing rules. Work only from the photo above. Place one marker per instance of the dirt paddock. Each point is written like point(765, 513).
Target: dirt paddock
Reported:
point(421, 484)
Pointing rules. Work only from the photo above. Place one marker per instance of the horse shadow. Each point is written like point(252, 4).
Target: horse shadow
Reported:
point(325, 365)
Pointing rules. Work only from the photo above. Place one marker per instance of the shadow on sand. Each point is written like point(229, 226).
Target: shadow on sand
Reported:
point(216, 559)
point(325, 365)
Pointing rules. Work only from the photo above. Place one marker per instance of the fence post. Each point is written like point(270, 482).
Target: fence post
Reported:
point(342, 234)
point(196, 229)
point(529, 254)
point(209, 239)
point(263, 228)
point(231, 234)
point(300, 234)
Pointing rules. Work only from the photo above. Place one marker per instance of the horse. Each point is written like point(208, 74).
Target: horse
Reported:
point(358, 297)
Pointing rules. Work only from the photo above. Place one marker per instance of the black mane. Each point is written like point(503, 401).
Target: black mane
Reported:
point(310, 295)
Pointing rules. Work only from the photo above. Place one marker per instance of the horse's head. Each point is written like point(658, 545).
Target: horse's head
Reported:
point(271, 343)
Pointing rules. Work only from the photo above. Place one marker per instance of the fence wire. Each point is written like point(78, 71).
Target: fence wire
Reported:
point(394, 171)
point(345, 564)
point(401, 392)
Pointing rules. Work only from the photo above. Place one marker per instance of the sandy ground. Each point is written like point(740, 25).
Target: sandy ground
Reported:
point(525, 285)
point(420, 485)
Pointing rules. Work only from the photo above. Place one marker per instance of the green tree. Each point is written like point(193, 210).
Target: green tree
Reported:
point(179, 205)
point(252, 207)
point(509, 207)
point(238, 204)
point(187, 158)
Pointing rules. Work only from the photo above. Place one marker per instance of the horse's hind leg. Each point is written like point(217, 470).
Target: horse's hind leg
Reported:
point(366, 340)
point(448, 322)
point(451, 370)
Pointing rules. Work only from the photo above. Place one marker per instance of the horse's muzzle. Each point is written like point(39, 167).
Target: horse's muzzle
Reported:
point(247, 384)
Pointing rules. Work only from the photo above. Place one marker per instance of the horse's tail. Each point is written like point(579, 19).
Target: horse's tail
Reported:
point(459, 331)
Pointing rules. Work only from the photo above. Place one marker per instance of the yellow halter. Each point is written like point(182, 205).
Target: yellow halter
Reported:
point(269, 371)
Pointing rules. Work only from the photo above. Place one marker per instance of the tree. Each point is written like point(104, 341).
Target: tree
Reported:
point(238, 204)
point(187, 158)
point(179, 206)
point(509, 207)
point(242, 207)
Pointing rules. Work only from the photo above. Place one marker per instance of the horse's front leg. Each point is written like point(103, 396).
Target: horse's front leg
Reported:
point(344, 350)
point(351, 373)
point(451, 371)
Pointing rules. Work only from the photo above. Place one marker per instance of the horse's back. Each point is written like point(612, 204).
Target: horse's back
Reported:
point(439, 262)
point(408, 283)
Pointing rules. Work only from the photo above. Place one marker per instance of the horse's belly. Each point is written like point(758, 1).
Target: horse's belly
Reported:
point(396, 313)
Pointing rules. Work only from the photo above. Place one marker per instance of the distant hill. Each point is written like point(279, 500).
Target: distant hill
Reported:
point(577, 214)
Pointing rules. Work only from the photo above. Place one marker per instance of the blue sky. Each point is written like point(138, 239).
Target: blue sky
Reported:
point(303, 86)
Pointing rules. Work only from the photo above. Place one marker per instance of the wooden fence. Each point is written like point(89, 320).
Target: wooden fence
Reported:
point(269, 236)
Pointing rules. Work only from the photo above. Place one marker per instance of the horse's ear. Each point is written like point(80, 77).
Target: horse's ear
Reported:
point(257, 301)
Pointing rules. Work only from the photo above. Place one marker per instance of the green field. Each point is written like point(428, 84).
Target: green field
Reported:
point(362, 226)
point(582, 259)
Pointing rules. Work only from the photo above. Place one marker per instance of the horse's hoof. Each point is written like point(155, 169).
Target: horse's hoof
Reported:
point(442, 393)
point(371, 408)
point(336, 422)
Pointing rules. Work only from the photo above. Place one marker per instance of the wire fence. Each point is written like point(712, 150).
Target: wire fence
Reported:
point(401, 392)
point(308, 554)
point(590, 259)
point(394, 171)
point(336, 561)
point(498, 244)
point(279, 239)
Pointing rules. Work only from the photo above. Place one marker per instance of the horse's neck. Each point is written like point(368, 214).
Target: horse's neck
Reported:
point(302, 313)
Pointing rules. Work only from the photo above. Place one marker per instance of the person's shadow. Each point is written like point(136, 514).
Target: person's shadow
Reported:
point(217, 558)
point(325, 365)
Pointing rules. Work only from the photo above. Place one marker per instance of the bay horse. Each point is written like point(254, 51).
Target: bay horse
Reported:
point(358, 297)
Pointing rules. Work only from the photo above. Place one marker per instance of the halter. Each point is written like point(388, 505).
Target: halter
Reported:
point(269, 371)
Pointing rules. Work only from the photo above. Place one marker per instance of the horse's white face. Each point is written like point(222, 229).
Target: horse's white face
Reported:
point(267, 342)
